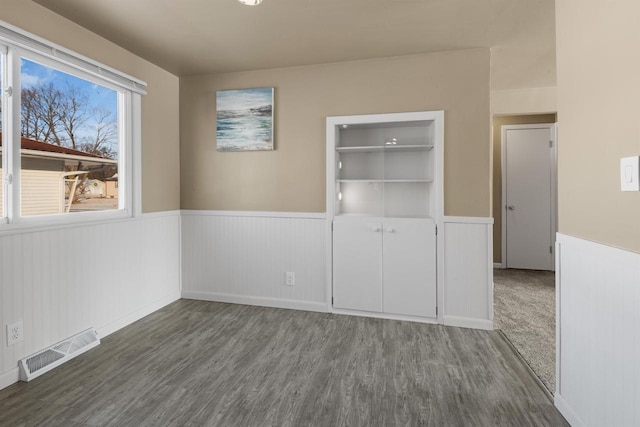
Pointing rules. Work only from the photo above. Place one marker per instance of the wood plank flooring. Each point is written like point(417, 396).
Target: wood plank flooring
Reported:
point(198, 363)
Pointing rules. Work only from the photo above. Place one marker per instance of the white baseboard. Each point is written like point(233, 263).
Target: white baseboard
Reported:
point(465, 322)
point(9, 378)
point(135, 316)
point(384, 316)
point(499, 265)
point(567, 412)
point(259, 301)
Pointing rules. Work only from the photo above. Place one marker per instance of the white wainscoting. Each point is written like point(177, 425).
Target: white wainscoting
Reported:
point(598, 333)
point(242, 257)
point(468, 272)
point(62, 280)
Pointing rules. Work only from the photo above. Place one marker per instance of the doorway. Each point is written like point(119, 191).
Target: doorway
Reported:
point(524, 282)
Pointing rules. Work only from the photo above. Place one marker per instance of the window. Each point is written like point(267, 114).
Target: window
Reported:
point(69, 131)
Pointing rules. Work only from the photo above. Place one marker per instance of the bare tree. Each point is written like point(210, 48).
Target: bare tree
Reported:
point(65, 117)
point(105, 131)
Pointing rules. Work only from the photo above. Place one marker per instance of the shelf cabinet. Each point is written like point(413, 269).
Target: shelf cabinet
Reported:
point(384, 196)
point(385, 266)
point(384, 169)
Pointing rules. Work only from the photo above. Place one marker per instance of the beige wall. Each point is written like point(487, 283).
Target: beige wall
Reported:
point(498, 122)
point(599, 118)
point(292, 178)
point(160, 114)
point(524, 101)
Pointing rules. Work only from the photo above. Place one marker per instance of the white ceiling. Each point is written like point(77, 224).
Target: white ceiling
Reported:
point(189, 37)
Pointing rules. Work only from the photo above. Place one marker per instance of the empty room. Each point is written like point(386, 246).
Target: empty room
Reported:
point(319, 213)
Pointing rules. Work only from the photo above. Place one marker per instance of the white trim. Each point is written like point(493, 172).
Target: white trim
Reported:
point(468, 220)
point(159, 214)
point(554, 191)
point(329, 263)
point(12, 131)
point(137, 315)
point(257, 301)
point(14, 36)
point(558, 389)
point(9, 378)
point(499, 265)
point(331, 135)
point(567, 412)
point(53, 221)
point(415, 116)
point(77, 221)
point(4, 104)
point(125, 150)
point(388, 316)
point(554, 181)
point(438, 212)
point(490, 283)
point(266, 214)
point(135, 159)
point(465, 322)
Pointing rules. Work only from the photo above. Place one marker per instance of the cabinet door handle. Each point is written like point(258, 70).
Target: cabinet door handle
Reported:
point(390, 230)
point(375, 229)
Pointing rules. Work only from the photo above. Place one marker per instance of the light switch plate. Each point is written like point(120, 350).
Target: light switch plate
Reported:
point(630, 173)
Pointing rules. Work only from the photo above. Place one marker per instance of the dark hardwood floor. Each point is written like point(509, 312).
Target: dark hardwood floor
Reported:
point(199, 363)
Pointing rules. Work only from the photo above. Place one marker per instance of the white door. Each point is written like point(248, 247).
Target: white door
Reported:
point(528, 180)
point(357, 264)
point(409, 267)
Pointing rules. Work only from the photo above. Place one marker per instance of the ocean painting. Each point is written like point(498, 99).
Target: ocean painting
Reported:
point(245, 119)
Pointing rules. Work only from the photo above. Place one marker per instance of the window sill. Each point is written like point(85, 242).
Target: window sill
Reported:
point(58, 221)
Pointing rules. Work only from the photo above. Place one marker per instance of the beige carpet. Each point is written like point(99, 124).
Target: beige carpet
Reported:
point(524, 309)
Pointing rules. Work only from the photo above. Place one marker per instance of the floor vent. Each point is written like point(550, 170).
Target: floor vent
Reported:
point(45, 360)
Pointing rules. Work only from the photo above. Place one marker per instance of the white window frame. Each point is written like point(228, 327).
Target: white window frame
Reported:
point(16, 44)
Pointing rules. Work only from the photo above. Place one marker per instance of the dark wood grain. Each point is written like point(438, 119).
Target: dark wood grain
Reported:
point(198, 363)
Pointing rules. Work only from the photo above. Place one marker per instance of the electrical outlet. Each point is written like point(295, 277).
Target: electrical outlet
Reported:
point(290, 279)
point(14, 333)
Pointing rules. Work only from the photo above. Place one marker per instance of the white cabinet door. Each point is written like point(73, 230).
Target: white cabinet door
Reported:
point(357, 264)
point(409, 267)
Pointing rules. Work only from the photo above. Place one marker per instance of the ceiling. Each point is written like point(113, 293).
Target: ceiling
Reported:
point(188, 37)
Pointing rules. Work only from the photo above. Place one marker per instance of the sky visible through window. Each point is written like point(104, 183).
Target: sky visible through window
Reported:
point(94, 125)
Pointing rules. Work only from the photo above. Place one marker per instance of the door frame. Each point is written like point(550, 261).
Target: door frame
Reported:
point(553, 159)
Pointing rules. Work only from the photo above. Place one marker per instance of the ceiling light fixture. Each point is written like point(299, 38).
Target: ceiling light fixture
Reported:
point(250, 2)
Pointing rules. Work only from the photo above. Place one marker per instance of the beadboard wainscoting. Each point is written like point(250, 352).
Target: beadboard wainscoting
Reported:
point(242, 257)
point(468, 272)
point(598, 333)
point(62, 280)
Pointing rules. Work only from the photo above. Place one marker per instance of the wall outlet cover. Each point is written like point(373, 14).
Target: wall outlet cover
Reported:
point(15, 333)
point(290, 278)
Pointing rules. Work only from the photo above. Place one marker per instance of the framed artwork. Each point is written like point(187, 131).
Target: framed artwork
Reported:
point(244, 119)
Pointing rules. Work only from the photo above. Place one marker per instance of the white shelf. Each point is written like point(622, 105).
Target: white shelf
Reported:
point(386, 180)
point(375, 148)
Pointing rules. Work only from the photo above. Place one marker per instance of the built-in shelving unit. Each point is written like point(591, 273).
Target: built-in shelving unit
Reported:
point(384, 196)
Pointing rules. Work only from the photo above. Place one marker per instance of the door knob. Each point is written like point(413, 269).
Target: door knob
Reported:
point(511, 208)
point(390, 230)
point(375, 229)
